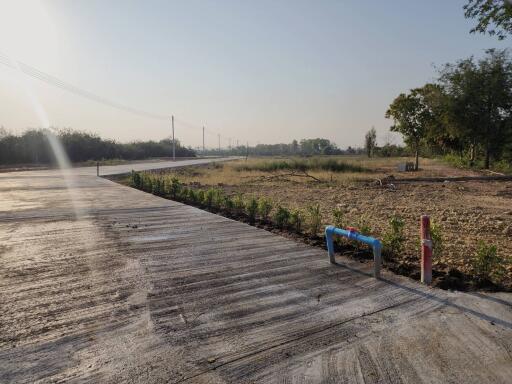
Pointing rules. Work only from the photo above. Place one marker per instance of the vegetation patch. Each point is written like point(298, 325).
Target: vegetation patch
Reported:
point(301, 209)
point(302, 165)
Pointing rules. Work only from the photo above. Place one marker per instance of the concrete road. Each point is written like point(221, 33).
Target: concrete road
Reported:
point(106, 284)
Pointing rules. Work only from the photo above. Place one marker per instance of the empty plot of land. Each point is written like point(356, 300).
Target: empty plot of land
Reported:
point(142, 289)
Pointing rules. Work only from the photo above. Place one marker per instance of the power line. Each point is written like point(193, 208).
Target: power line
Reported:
point(54, 81)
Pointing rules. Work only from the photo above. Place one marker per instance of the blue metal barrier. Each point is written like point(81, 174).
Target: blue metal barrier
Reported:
point(352, 234)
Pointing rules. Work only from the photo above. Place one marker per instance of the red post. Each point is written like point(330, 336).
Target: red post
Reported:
point(426, 250)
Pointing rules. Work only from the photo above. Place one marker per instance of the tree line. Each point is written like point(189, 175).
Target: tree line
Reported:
point(304, 147)
point(32, 147)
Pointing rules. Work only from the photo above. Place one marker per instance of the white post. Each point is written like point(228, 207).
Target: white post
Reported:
point(173, 141)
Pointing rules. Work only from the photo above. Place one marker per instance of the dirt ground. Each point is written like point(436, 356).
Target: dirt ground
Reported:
point(466, 211)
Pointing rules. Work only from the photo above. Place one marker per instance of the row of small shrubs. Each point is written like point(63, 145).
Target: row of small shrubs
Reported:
point(486, 264)
point(309, 220)
point(303, 165)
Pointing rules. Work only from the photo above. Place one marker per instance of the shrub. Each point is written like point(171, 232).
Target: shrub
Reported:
point(228, 203)
point(264, 208)
point(208, 197)
point(135, 180)
point(394, 238)
point(184, 194)
point(238, 202)
point(175, 187)
point(201, 196)
point(437, 239)
point(147, 184)
point(251, 207)
point(337, 218)
point(314, 219)
point(282, 217)
point(363, 226)
point(297, 220)
point(193, 196)
point(218, 198)
point(487, 264)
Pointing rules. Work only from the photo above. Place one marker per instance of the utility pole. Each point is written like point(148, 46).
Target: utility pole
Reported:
point(219, 143)
point(173, 141)
point(230, 144)
point(247, 152)
point(203, 140)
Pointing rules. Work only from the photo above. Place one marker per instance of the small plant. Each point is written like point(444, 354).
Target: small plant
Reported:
point(264, 208)
point(175, 187)
point(193, 196)
point(208, 197)
point(363, 226)
point(218, 199)
point(135, 180)
point(184, 194)
point(251, 207)
point(338, 219)
point(437, 239)
point(147, 184)
point(228, 203)
point(238, 202)
point(297, 220)
point(314, 219)
point(394, 238)
point(282, 217)
point(487, 264)
point(201, 196)
point(157, 187)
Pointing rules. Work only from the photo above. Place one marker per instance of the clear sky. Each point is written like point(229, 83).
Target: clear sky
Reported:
point(262, 71)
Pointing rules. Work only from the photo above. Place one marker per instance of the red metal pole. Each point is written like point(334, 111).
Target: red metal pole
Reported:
point(426, 250)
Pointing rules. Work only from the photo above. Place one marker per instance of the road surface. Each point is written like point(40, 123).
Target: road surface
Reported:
point(107, 284)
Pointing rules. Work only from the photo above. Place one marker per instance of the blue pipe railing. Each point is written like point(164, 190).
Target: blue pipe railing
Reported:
point(352, 234)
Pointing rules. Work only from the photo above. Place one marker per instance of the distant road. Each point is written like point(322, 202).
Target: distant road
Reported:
point(106, 170)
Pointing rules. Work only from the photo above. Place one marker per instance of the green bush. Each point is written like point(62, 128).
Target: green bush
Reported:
point(229, 205)
point(393, 240)
point(218, 198)
point(201, 197)
point(436, 234)
point(281, 217)
point(135, 180)
point(363, 226)
point(147, 184)
point(175, 187)
point(208, 197)
point(184, 194)
point(193, 196)
point(487, 264)
point(314, 219)
point(251, 207)
point(264, 208)
point(297, 220)
point(238, 202)
point(338, 219)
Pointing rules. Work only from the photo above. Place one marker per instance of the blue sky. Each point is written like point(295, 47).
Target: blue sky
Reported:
point(267, 71)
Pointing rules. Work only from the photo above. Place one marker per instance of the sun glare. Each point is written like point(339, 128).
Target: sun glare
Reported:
point(26, 32)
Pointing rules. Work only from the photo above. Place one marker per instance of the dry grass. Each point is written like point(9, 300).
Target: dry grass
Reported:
point(241, 172)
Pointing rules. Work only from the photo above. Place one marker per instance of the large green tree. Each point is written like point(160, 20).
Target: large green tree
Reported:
point(479, 103)
point(414, 116)
point(494, 17)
